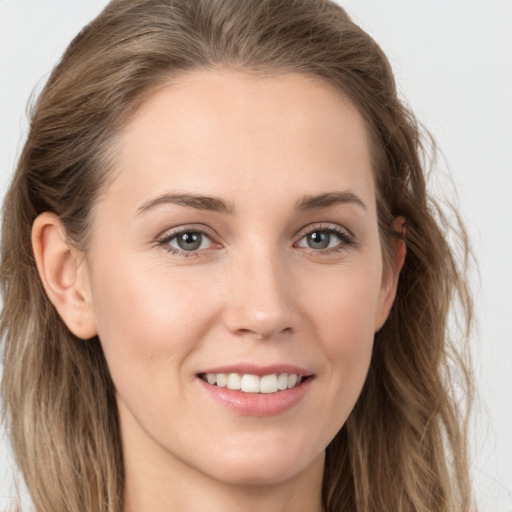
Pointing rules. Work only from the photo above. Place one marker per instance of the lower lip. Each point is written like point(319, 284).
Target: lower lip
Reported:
point(258, 404)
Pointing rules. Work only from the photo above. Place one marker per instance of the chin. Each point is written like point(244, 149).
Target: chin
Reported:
point(264, 466)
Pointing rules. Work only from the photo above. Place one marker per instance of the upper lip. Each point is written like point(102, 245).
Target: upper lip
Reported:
point(253, 369)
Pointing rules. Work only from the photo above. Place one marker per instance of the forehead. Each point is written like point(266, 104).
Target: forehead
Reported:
point(217, 132)
point(205, 99)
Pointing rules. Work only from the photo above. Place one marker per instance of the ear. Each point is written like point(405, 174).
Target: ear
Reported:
point(63, 272)
point(391, 273)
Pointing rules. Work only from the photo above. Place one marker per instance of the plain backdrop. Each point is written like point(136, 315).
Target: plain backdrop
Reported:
point(453, 64)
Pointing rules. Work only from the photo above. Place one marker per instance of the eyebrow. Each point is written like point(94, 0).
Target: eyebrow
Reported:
point(320, 201)
point(200, 202)
point(215, 204)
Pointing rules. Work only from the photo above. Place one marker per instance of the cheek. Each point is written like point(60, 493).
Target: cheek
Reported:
point(348, 342)
point(347, 305)
point(345, 326)
point(148, 320)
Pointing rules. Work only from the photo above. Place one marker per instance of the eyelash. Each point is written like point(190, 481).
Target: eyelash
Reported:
point(346, 240)
point(166, 238)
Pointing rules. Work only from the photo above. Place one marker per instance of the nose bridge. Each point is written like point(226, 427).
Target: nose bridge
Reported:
point(260, 296)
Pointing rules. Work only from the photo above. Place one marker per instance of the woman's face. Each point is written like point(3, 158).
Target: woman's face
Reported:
point(238, 243)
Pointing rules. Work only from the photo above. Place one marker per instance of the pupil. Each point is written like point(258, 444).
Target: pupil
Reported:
point(189, 241)
point(319, 240)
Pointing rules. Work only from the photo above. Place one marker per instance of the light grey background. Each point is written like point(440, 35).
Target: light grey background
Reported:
point(452, 60)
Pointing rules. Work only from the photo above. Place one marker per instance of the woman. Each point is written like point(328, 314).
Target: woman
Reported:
point(224, 283)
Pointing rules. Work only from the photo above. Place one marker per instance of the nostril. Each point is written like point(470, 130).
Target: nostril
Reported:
point(262, 332)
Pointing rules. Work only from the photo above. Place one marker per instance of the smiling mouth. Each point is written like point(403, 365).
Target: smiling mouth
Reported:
point(249, 383)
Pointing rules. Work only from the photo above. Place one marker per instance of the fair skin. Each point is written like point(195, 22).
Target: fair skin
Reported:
point(282, 273)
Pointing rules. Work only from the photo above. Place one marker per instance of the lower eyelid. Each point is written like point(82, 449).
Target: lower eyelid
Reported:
point(180, 253)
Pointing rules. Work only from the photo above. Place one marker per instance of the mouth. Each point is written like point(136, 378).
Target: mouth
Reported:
point(255, 384)
point(253, 390)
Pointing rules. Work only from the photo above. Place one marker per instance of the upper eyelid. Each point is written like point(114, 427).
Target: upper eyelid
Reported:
point(193, 228)
point(323, 226)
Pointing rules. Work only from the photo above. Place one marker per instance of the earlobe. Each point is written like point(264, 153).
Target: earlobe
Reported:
point(63, 274)
point(391, 272)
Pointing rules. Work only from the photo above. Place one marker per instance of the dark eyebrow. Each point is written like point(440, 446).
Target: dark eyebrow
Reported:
point(215, 204)
point(197, 201)
point(328, 199)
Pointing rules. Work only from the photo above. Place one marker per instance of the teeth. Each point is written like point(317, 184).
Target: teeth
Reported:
point(292, 380)
point(282, 381)
point(252, 383)
point(234, 381)
point(222, 380)
point(268, 384)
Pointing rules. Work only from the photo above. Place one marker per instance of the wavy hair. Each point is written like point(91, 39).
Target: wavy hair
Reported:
point(403, 448)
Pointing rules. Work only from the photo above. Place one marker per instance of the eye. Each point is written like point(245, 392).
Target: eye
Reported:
point(326, 238)
point(186, 241)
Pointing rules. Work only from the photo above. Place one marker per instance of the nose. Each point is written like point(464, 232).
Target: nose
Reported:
point(260, 297)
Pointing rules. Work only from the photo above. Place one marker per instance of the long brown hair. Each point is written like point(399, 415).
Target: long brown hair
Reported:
point(403, 448)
